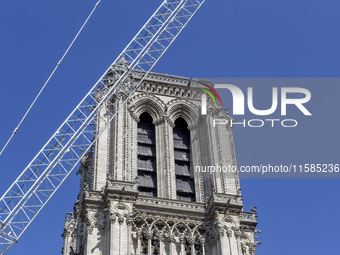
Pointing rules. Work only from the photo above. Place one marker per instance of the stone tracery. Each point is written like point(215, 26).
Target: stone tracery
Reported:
point(111, 218)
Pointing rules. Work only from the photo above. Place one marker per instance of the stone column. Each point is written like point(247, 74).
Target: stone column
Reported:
point(219, 248)
point(182, 241)
point(192, 244)
point(221, 243)
point(171, 244)
point(121, 229)
point(161, 248)
point(90, 243)
point(214, 245)
point(161, 159)
point(203, 244)
point(212, 153)
point(128, 238)
point(67, 235)
point(139, 241)
point(149, 237)
point(107, 240)
point(169, 160)
point(101, 151)
point(114, 236)
point(229, 235)
point(238, 241)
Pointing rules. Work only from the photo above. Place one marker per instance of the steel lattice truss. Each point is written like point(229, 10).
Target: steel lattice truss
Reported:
point(30, 192)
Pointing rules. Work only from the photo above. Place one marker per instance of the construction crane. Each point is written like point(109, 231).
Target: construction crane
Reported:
point(42, 177)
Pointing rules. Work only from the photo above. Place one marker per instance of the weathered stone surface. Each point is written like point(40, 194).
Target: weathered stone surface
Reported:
point(112, 218)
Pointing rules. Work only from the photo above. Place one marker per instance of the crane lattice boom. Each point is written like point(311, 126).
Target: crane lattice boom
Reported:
point(34, 187)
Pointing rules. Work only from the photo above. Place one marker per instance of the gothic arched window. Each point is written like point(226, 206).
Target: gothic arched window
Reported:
point(146, 156)
point(185, 187)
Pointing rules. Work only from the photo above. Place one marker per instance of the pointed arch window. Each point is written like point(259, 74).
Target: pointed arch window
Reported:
point(146, 156)
point(185, 187)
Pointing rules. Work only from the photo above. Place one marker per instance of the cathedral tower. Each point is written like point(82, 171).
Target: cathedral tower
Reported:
point(145, 188)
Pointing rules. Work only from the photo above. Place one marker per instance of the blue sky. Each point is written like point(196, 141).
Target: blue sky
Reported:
point(231, 38)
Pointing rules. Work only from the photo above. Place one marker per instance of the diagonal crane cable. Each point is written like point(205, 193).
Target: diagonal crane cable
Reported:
point(49, 78)
point(42, 177)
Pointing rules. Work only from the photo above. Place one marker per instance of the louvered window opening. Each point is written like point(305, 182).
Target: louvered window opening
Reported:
point(185, 186)
point(146, 157)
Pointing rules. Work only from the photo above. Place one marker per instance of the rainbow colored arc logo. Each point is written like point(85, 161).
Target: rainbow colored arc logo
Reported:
point(211, 94)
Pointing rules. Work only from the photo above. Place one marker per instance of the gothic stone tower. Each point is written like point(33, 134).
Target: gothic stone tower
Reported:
point(141, 190)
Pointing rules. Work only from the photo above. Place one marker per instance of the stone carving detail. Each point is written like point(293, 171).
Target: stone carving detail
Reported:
point(95, 219)
point(169, 203)
point(70, 224)
point(109, 202)
point(100, 219)
point(122, 185)
point(173, 230)
point(149, 103)
point(93, 195)
point(246, 216)
point(185, 109)
point(89, 222)
point(163, 88)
